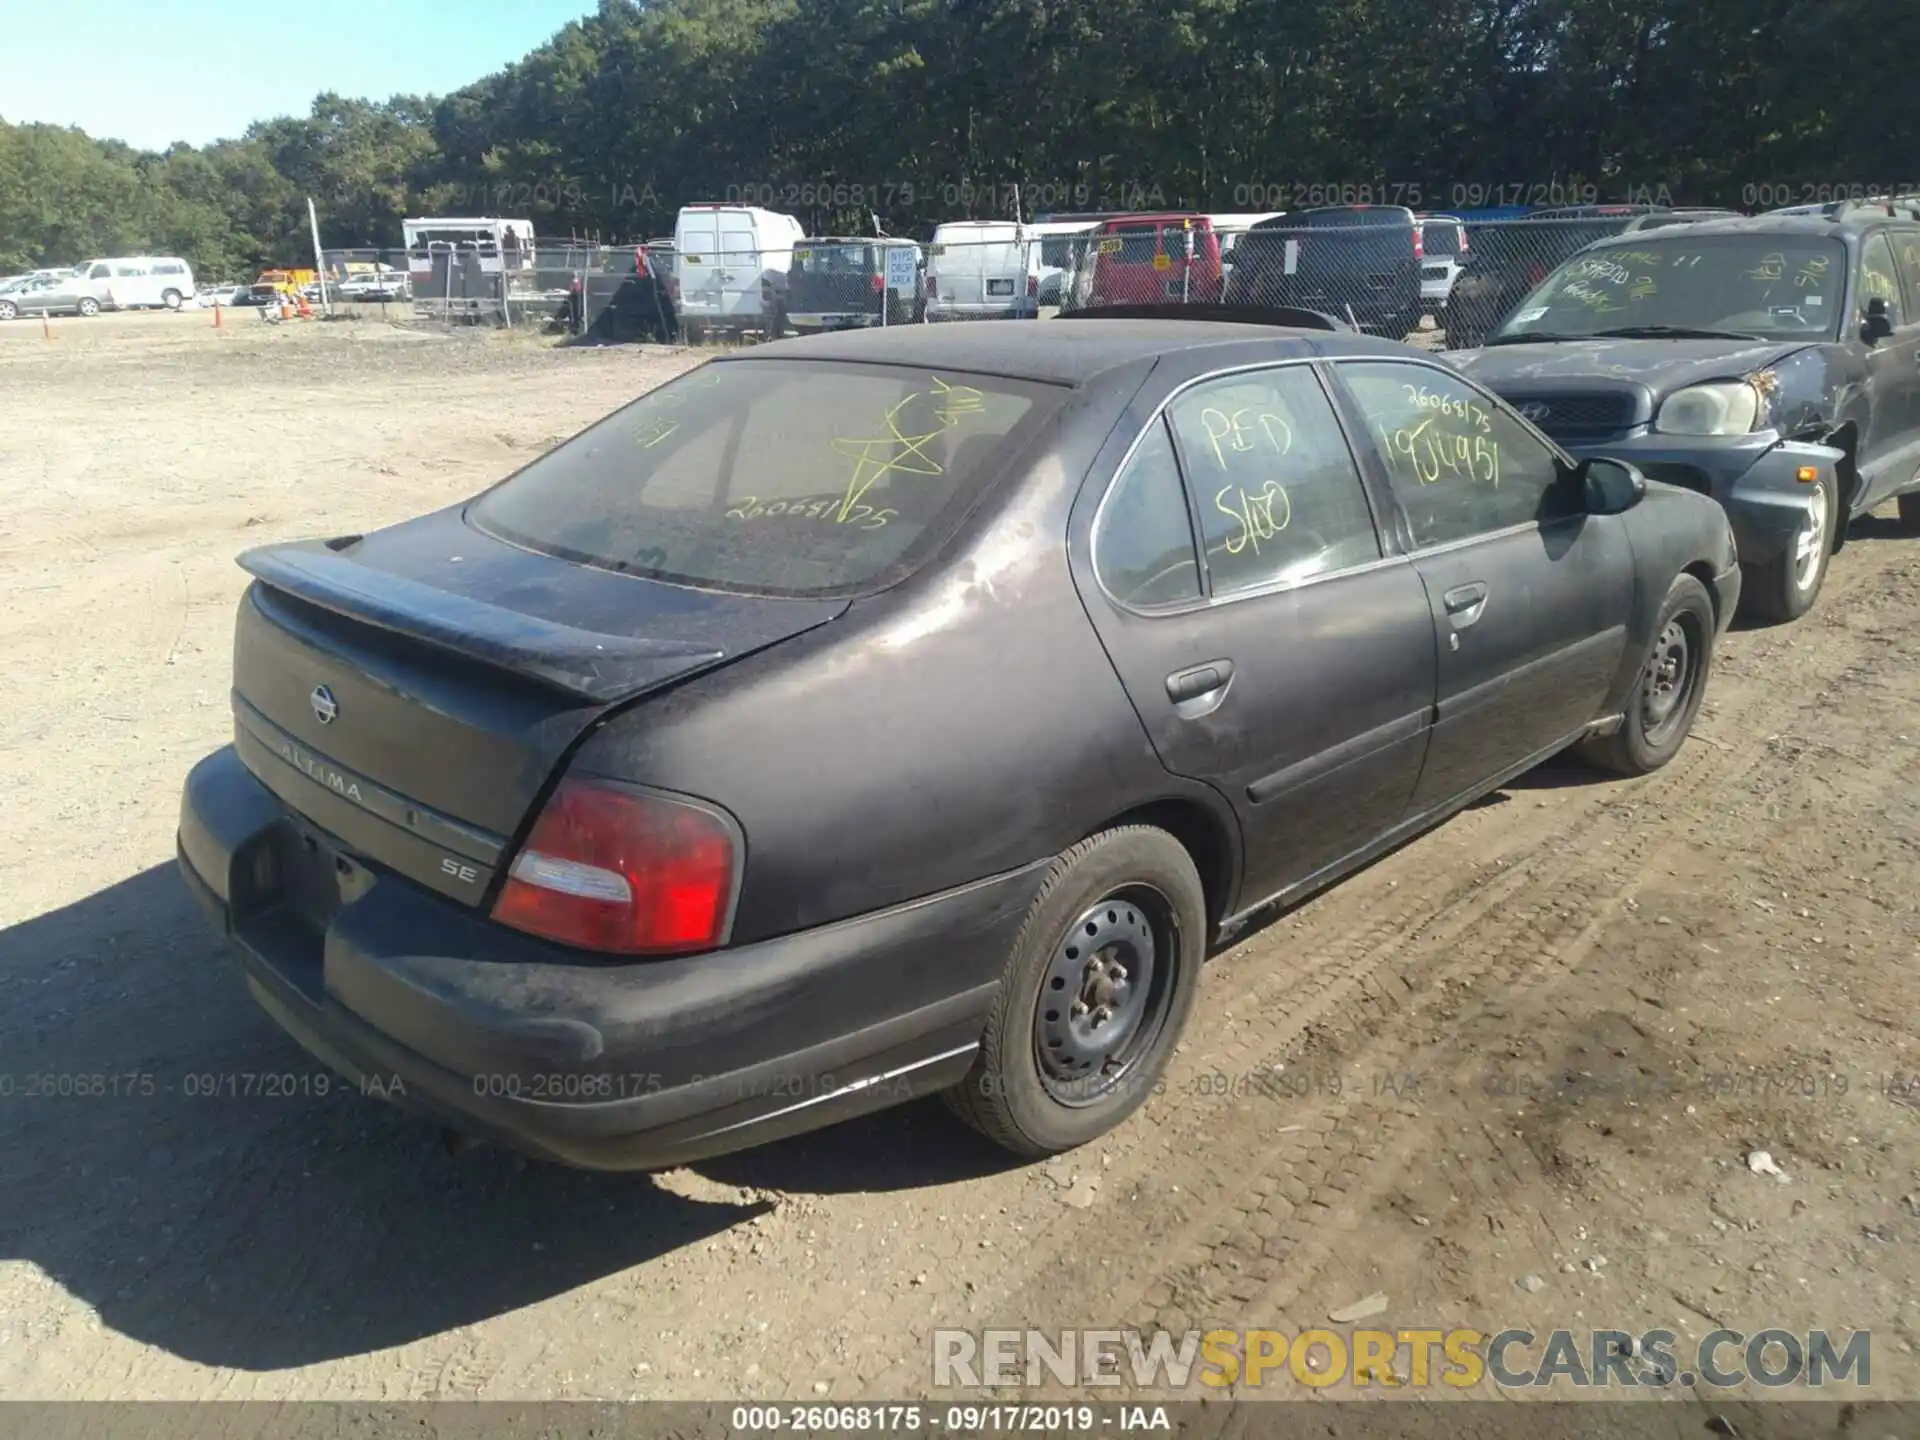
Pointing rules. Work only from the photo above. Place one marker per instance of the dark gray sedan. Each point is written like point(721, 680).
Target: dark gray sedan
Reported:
point(909, 710)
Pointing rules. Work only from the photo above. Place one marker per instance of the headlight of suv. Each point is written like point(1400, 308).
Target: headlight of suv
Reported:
point(1729, 407)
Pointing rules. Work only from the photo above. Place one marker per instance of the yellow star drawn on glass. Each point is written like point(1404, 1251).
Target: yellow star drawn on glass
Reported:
point(900, 452)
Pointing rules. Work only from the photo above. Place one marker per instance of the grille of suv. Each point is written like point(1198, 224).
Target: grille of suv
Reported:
point(1576, 417)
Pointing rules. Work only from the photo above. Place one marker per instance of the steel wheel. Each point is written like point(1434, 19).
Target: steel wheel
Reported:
point(1103, 999)
point(1666, 685)
point(1811, 544)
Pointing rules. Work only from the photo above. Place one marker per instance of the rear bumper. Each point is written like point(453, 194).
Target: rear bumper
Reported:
point(594, 1063)
point(1755, 479)
point(1029, 310)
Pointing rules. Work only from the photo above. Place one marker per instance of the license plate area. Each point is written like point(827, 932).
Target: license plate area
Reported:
point(999, 287)
point(316, 877)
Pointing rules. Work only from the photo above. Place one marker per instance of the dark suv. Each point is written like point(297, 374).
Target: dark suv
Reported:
point(1506, 259)
point(1771, 362)
point(1359, 263)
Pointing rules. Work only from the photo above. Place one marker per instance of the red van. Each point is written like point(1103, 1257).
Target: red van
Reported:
point(1166, 259)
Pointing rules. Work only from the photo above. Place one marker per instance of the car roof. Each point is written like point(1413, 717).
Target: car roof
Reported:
point(1814, 225)
point(1068, 352)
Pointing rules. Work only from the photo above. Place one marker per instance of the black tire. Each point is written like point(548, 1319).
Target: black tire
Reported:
point(8, 310)
point(1672, 682)
point(170, 299)
point(1909, 510)
point(1136, 892)
point(1780, 589)
point(88, 306)
point(693, 332)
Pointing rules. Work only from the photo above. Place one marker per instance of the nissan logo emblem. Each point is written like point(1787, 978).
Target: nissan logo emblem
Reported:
point(1537, 411)
point(325, 707)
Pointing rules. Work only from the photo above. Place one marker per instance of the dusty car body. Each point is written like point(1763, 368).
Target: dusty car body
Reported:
point(907, 710)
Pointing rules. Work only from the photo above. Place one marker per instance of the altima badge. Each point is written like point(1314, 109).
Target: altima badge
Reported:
point(325, 707)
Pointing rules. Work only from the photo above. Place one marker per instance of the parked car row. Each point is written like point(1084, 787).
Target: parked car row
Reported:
point(134, 282)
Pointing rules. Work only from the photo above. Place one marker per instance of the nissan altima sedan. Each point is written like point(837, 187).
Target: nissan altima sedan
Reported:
point(909, 710)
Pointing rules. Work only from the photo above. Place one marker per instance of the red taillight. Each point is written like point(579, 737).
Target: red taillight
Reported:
point(1033, 284)
point(1419, 244)
point(673, 289)
point(613, 869)
point(933, 287)
point(1463, 242)
point(876, 283)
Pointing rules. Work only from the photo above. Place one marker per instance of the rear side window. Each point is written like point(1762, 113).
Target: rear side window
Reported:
point(1279, 495)
point(773, 477)
point(1143, 542)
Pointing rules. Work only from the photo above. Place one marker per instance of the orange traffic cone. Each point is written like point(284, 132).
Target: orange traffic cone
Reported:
point(286, 310)
point(217, 323)
point(306, 310)
point(46, 325)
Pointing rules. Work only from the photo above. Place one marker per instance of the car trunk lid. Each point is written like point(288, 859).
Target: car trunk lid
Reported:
point(413, 693)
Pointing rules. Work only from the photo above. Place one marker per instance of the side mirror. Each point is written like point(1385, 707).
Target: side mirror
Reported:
point(1879, 323)
point(1609, 487)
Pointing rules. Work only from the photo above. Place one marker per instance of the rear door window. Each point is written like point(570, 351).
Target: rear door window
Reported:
point(774, 477)
point(1279, 495)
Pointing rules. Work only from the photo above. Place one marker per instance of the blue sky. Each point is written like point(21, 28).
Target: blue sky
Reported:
point(151, 72)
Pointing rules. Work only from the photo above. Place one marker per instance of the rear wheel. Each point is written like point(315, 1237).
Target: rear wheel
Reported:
point(1909, 509)
point(693, 332)
point(1094, 996)
point(8, 310)
point(89, 306)
point(1784, 588)
point(170, 299)
point(1673, 680)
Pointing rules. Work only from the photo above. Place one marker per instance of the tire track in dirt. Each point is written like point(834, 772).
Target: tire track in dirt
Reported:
point(1247, 1207)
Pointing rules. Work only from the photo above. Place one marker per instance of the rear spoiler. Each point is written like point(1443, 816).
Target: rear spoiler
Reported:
point(1281, 315)
point(582, 664)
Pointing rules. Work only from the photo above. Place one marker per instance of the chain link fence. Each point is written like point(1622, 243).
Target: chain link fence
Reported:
point(1447, 280)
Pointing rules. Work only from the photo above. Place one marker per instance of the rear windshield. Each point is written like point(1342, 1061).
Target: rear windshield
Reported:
point(776, 477)
point(1440, 238)
point(837, 258)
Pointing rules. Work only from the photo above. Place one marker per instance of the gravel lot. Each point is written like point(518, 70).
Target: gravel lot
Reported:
point(1548, 1034)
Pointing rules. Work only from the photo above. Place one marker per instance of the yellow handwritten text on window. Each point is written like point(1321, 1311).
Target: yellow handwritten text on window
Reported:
point(1254, 514)
point(1243, 431)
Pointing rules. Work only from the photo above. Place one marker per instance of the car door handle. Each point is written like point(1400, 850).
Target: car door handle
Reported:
point(1465, 603)
point(1199, 681)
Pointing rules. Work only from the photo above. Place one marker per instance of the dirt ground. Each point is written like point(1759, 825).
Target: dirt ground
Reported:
point(1511, 1074)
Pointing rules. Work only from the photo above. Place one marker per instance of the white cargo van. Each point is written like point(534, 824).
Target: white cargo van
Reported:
point(1060, 243)
point(138, 282)
point(730, 265)
point(983, 270)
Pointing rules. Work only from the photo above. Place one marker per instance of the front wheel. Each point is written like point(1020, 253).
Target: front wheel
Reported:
point(8, 310)
point(1673, 681)
point(1784, 587)
point(1094, 996)
point(89, 307)
point(171, 299)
